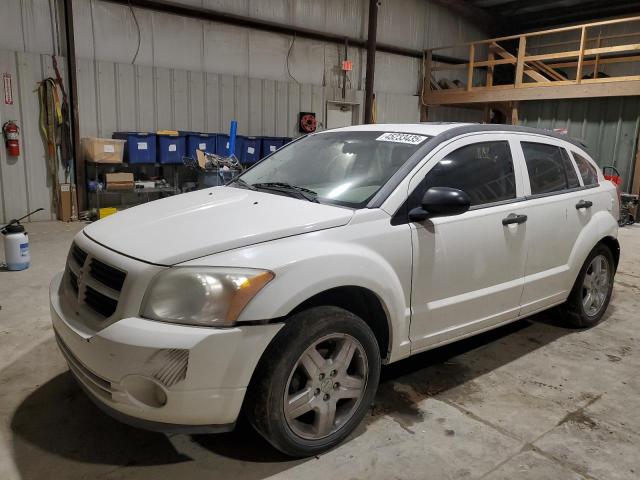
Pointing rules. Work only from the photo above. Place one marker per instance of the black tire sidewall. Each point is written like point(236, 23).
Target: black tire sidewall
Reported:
point(580, 317)
point(300, 331)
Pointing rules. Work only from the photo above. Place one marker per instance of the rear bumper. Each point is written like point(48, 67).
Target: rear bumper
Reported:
point(162, 376)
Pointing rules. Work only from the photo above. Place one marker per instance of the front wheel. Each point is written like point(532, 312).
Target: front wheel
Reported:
point(315, 382)
point(591, 293)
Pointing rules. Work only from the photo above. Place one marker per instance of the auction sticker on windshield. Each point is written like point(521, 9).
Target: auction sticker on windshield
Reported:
point(401, 138)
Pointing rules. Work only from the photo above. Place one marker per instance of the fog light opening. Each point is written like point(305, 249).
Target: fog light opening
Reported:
point(145, 391)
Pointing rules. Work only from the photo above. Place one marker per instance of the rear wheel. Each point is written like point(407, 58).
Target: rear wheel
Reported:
point(315, 382)
point(591, 293)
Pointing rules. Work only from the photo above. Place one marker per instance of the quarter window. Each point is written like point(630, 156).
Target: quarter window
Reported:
point(483, 170)
point(550, 170)
point(587, 171)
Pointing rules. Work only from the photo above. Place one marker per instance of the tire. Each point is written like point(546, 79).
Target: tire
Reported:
point(577, 312)
point(319, 384)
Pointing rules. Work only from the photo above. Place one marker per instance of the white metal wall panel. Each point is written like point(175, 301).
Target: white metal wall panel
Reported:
point(610, 127)
point(195, 75)
point(126, 96)
point(25, 183)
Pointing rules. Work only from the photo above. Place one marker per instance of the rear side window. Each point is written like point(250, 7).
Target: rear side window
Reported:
point(587, 171)
point(550, 169)
point(483, 170)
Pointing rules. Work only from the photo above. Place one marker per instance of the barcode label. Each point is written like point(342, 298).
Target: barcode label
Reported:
point(409, 138)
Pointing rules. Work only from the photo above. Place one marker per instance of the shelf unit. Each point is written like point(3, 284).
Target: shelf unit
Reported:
point(97, 198)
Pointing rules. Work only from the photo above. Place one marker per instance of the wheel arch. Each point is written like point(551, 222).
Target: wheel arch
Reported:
point(360, 301)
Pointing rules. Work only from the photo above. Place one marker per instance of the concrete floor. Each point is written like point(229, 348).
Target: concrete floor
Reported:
point(529, 401)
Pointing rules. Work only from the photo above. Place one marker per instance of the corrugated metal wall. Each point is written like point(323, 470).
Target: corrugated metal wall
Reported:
point(608, 126)
point(196, 75)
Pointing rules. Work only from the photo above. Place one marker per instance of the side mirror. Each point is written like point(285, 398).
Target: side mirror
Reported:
point(441, 202)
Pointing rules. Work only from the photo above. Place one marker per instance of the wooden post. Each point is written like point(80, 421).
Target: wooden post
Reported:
point(520, 62)
point(635, 186)
point(371, 61)
point(472, 55)
point(514, 113)
point(583, 41)
point(78, 158)
point(426, 85)
point(428, 63)
point(491, 57)
point(596, 65)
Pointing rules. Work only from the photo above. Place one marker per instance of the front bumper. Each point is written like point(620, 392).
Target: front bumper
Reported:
point(160, 375)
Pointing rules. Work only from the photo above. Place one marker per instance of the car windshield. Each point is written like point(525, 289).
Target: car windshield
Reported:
point(341, 168)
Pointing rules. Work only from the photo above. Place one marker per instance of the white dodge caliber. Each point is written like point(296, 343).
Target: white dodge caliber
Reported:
point(281, 294)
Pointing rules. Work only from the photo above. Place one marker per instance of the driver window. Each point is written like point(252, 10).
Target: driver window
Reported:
point(483, 170)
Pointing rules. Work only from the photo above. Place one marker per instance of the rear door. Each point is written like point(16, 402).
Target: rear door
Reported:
point(554, 188)
point(468, 269)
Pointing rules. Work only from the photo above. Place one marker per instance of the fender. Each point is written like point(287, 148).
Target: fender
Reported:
point(310, 265)
point(601, 225)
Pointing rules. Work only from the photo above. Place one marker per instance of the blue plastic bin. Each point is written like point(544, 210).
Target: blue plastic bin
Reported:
point(222, 145)
point(171, 148)
point(270, 145)
point(200, 141)
point(251, 150)
point(140, 146)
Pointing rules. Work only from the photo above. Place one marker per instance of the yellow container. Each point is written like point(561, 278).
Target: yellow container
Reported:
point(105, 212)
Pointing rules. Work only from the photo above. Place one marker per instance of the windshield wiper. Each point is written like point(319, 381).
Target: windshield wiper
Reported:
point(299, 192)
point(243, 184)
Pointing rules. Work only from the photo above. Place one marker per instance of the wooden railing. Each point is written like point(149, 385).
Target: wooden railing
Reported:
point(526, 62)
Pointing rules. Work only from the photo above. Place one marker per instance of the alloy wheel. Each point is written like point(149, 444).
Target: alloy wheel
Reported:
point(325, 386)
point(595, 286)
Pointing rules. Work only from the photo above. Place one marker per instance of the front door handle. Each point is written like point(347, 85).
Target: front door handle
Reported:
point(583, 204)
point(513, 218)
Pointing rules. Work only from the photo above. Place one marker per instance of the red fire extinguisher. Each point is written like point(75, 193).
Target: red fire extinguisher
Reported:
point(11, 138)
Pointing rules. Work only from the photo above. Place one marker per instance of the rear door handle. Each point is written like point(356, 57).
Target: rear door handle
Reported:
point(583, 204)
point(513, 218)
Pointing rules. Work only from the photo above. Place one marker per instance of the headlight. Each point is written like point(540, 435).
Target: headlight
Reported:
point(202, 296)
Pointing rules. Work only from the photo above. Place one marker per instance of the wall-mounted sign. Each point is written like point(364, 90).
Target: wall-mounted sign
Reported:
point(347, 65)
point(8, 90)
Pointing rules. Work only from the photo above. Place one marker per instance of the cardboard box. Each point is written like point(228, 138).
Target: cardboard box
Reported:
point(119, 181)
point(65, 202)
point(102, 150)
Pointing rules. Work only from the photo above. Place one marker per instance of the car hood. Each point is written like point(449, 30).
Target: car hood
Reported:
point(192, 225)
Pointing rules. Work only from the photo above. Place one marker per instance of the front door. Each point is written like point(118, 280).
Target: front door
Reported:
point(468, 269)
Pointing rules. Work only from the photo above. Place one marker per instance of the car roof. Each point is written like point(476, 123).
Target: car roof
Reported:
point(428, 128)
point(448, 130)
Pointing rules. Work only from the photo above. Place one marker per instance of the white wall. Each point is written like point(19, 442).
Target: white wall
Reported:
point(196, 75)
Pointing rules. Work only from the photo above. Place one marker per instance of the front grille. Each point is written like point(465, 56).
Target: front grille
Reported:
point(99, 303)
point(93, 283)
point(97, 384)
point(111, 277)
point(78, 254)
point(73, 280)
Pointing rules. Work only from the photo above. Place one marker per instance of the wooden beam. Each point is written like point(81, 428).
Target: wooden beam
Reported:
point(472, 56)
point(491, 57)
point(550, 91)
point(583, 42)
point(601, 61)
point(546, 32)
point(630, 47)
point(520, 63)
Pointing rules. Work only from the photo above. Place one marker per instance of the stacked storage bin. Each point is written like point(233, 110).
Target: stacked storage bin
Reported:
point(140, 147)
point(222, 145)
point(171, 148)
point(251, 150)
point(271, 144)
point(200, 141)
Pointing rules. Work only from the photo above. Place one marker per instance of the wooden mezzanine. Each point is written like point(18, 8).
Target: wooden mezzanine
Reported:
point(557, 73)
